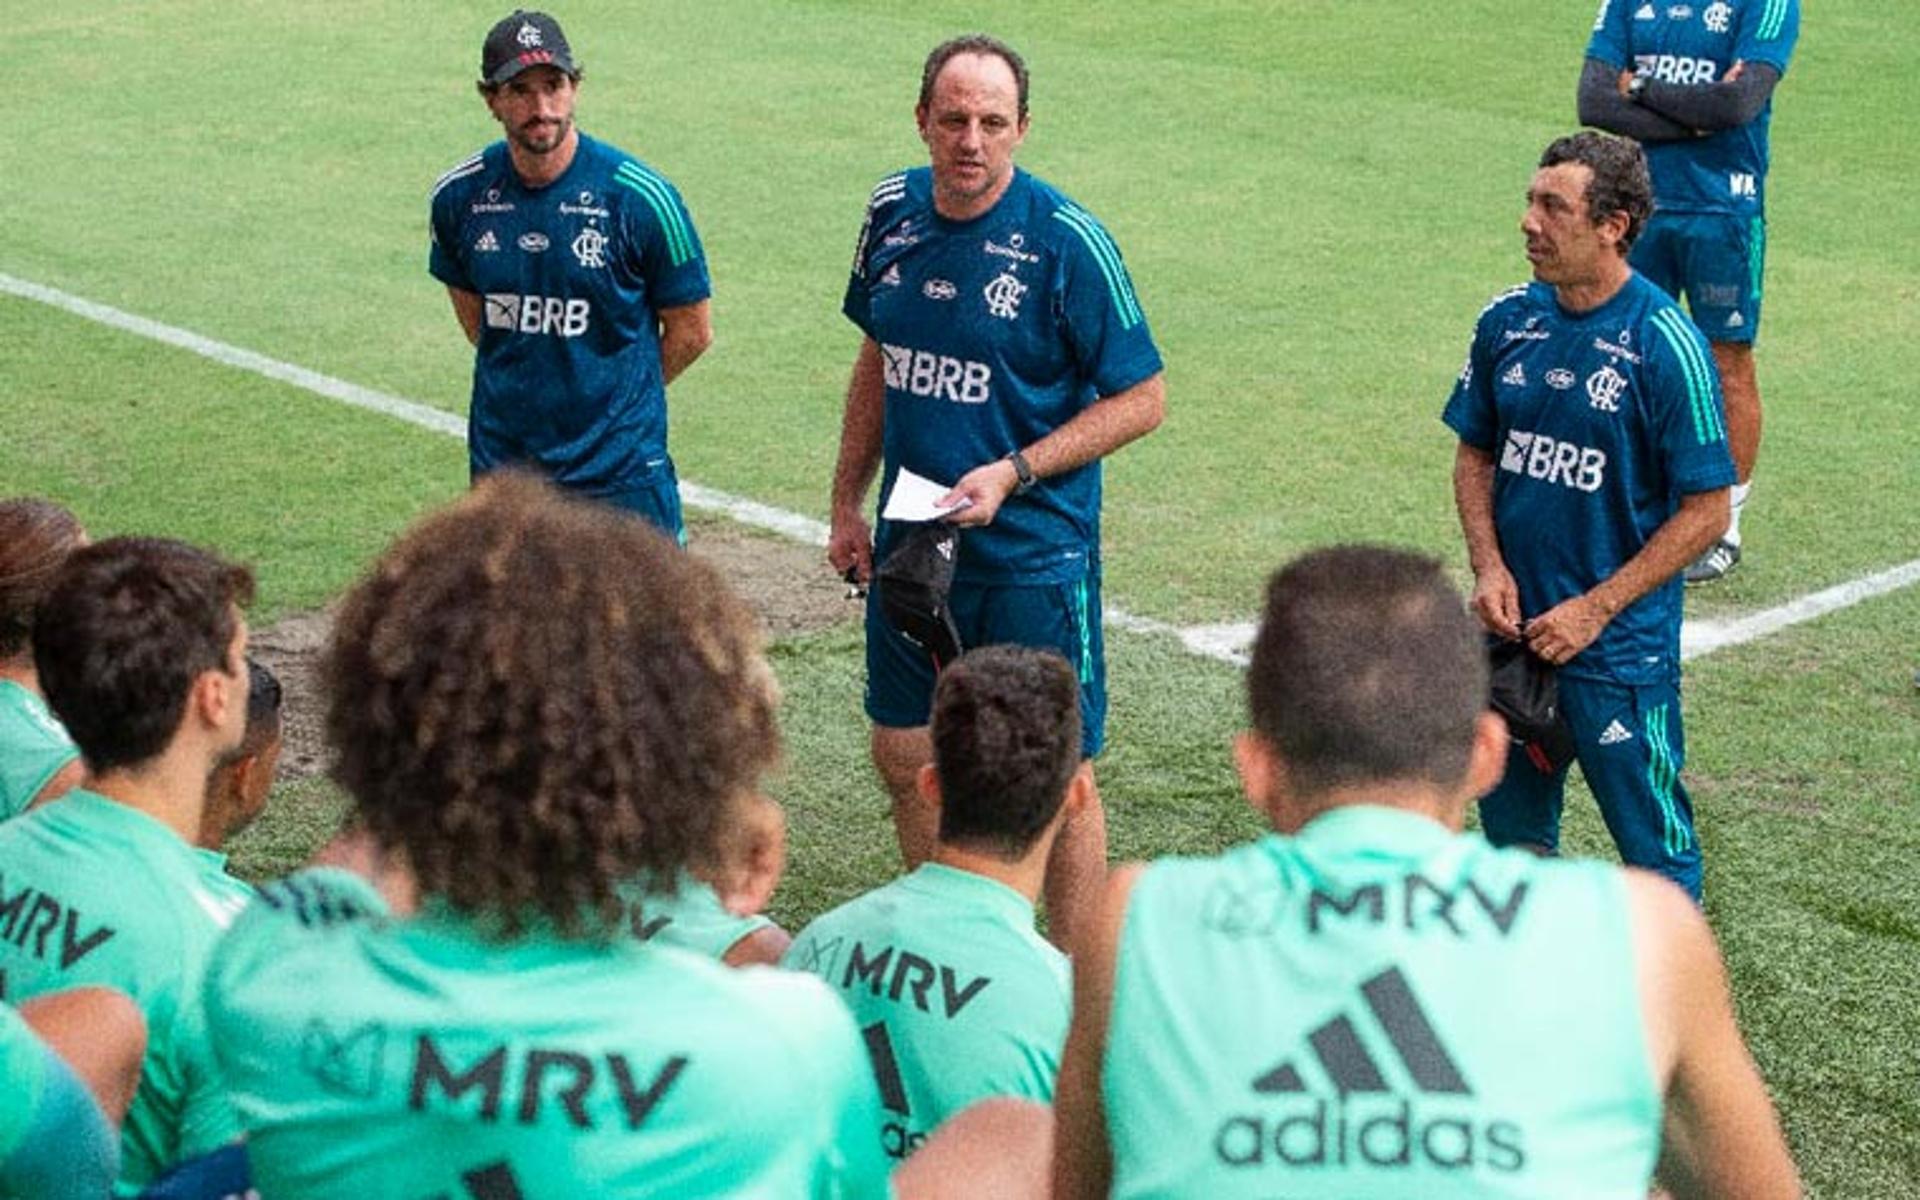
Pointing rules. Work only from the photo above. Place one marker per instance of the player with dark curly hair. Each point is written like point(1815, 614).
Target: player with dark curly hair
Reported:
point(140, 646)
point(1006, 776)
point(533, 699)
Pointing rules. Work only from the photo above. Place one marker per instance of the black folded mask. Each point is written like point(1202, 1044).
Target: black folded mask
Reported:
point(915, 581)
point(1525, 689)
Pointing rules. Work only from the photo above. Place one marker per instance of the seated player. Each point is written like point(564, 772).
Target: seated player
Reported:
point(1370, 1003)
point(532, 699)
point(958, 997)
point(237, 792)
point(38, 761)
point(140, 646)
point(714, 909)
point(69, 1064)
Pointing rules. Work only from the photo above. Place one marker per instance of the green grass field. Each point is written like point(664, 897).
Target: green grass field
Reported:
point(1315, 199)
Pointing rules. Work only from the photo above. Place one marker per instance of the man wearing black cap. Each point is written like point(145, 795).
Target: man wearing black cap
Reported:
point(576, 273)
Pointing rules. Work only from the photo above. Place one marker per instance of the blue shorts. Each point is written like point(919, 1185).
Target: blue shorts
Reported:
point(1630, 745)
point(1060, 616)
point(1716, 260)
point(657, 498)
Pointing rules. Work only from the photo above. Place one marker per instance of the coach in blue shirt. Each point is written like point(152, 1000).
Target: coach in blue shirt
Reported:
point(1592, 467)
point(576, 273)
point(1005, 354)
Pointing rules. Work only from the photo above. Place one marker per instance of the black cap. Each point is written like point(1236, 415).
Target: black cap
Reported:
point(525, 39)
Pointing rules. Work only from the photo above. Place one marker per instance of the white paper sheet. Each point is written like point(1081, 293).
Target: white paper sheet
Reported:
point(913, 499)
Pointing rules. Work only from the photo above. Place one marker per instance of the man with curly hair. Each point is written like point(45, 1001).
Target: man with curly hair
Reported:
point(534, 699)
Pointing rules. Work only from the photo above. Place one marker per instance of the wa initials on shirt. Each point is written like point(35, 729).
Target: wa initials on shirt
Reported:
point(911, 976)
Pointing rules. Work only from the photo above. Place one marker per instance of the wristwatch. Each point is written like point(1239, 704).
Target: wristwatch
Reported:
point(1635, 86)
point(1022, 471)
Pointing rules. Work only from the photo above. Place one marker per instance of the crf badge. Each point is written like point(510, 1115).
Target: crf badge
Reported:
point(1003, 296)
point(590, 247)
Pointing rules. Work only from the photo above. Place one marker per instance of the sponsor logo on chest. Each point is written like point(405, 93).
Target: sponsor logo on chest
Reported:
point(1677, 68)
point(1537, 456)
point(555, 316)
point(492, 204)
point(936, 376)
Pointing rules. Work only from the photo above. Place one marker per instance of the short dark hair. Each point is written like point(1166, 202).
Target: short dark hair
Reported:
point(1620, 181)
point(264, 698)
point(973, 43)
point(1367, 668)
point(1006, 741)
point(119, 638)
point(35, 538)
point(536, 698)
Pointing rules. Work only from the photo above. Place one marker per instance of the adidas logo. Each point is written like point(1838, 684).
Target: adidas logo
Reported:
point(487, 243)
point(892, 276)
point(1369, 1123)
point(1736, 321)
point(1614, 734)
point(1516, 375)
point(1344, 1056)
point(1644, 13)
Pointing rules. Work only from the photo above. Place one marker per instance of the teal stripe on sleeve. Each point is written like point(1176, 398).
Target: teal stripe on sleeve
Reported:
point(654, 191)
point(1706, 421)
point(1773, 19)
point(1108, 257)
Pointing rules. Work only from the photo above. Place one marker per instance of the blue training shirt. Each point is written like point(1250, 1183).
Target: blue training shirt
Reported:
point(567, 375)
point(993, 333)
point(1698, 42)
point(1598, 423)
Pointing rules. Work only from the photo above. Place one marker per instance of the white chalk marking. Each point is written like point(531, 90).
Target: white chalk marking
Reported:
point(1227, 642)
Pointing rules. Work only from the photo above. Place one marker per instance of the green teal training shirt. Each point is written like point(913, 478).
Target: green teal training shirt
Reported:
point(34, 746)
point(95, 892)
point(418, 1058)
point(691, 917)
point(1378, 1008)
point(956, 995)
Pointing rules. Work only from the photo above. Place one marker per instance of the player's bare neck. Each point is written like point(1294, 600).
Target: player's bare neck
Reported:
point(19, 669)
point(1589, 294)
point(539, 170)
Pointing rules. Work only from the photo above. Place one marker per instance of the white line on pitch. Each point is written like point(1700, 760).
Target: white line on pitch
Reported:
point(747, 512)
point(1226, 643)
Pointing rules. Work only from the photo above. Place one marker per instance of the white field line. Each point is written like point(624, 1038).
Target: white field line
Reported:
point(1226, 643)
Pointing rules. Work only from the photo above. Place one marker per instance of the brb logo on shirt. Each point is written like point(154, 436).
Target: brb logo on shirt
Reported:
point(936, 376)
point(1538, 456)
point(538, 314)
point(1677, 68)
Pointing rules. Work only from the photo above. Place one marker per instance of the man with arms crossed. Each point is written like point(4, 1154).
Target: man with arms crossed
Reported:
point(576, 273)
point(141, 649)
point(1368, 1002)
point(958, 997)
point(1694, 83)
point(1005, 354)
point(1592, 467)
